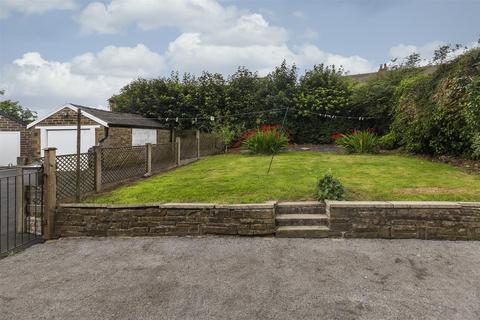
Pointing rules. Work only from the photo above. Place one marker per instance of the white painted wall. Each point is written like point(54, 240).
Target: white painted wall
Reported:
point(9, 147)
point(142, 136)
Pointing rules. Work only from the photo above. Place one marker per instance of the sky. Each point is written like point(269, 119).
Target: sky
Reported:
point(57, 51)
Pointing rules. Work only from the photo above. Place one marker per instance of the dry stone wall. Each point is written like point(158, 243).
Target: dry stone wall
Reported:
point(164, 220)
point(405, 220)
point(391, 220)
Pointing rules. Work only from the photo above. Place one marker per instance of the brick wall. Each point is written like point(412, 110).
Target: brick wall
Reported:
point(7, 124)
point(401, 220)
point(65, 117)
point(163, 136)
point(122, 137)
point(164, 220)
point(118, 137)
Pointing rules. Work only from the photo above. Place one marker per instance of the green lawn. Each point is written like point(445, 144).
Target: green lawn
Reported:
point(239, 178)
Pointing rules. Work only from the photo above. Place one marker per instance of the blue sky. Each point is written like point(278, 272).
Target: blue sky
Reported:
point(58, 51)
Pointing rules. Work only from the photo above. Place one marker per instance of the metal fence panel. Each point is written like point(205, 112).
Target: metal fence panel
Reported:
point(21, 210)
point(162, 156)
point(123, 163)
point(67, 174)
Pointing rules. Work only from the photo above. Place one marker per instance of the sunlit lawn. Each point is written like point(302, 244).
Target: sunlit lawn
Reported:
point(240, 178)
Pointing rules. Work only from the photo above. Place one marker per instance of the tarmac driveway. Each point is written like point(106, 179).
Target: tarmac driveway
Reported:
point(241, 278)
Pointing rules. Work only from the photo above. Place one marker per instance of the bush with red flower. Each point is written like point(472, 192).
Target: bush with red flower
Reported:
point(267, 141)
point(263, 128)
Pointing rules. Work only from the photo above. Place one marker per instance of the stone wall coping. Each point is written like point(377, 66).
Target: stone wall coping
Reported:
point(358, 204)
point(107, 206)
point(426, 204)
point(295, 204)
point(179, 205)
point(470, 204)
point(272, 204)
point(401, 204)
point(267, 205)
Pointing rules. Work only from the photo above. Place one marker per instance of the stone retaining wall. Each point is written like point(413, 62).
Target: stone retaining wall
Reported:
point(401, 220)
point(165, 219)
point(350, 219)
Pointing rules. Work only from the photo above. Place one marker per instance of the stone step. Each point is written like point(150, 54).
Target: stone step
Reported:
point(305, 207)
point(300, 219)
point(302, 232)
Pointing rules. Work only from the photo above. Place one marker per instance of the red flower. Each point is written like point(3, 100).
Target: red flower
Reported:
point(252, 132)
point(336, 135)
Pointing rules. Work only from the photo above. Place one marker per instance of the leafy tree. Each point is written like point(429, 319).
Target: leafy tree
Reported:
point(440, 54)
point(241, 97)
point(413, 60)
point(321, 90)
point(210, 99)
point(14, 110)
point(278, 91)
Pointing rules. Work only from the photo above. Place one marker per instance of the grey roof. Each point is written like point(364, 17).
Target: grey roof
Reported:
point(3, 114)
point(120, 119)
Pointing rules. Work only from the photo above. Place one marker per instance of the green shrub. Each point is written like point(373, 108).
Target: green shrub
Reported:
point(266, 142)
point(359, 142)
point(476, 147)
point(437, 113)
point(330, 188)
point(388, 141)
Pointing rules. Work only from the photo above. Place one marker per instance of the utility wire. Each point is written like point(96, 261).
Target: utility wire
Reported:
point(212, 118)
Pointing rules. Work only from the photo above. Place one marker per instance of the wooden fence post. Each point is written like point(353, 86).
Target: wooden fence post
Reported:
point(149, 159)
point(97, 151)
point(177, 149)
point(198, 144)
point(174, 144)
point(50, 192)
point(20, 195)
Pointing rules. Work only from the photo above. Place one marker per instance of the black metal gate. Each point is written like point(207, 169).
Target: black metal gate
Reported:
point(21, 207)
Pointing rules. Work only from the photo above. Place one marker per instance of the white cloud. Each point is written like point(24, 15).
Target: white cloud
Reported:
point(189, 53)
point(187, 15)
point(308, 55)
point(426, 50)
point(250, 29)
point(7, 7)
point(90, 78)
point(119, 62)
point(212, 37)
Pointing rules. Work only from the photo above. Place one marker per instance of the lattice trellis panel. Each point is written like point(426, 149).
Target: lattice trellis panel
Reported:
point(162, 156)
point(210, 144)
point(188, 147)
point(123, 163)
point(67, 175)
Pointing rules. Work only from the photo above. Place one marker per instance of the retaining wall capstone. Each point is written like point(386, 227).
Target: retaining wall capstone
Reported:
point(405, 220)
point(164, 220)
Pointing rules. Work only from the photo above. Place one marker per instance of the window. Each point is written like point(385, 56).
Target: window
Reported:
point(142, 136)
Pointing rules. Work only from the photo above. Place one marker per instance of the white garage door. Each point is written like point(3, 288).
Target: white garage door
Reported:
point(9, 147)
point(65, 140)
